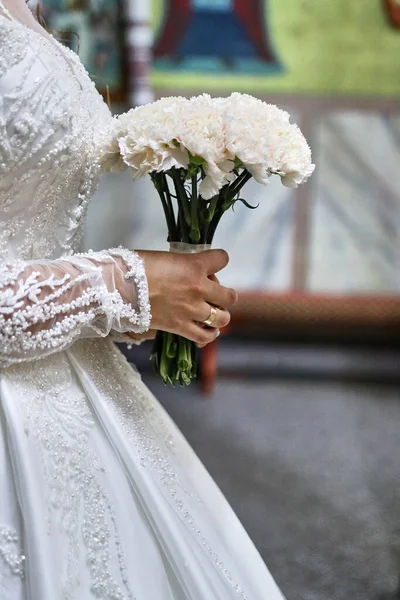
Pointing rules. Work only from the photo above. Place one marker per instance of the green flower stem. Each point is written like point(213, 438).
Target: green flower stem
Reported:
point(164, 364)
point(174, 235)
point(225, 199)
point(213, 206)
point(171, 346)
point(184, 235)
point(237, 185)
point(181, 195)
point(194, 354)
point(213, 226)
point(194, 212)
point(184, 355)
point(157, 179)
point(209, 215)
point(218, 210)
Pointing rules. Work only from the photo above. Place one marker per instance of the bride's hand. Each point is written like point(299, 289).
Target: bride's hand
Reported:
point(141, 337)
point(182, 290)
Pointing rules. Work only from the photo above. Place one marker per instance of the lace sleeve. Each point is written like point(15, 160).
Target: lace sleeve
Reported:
point(46, 305)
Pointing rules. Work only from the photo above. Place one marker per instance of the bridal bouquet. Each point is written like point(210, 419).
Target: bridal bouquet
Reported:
point(199, 153)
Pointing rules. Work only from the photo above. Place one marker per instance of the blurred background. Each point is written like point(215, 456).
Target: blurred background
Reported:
point(297, 410)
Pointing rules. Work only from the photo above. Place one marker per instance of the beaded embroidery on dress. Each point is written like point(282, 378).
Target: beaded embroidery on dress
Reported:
point(10, 551)
point(103, 497)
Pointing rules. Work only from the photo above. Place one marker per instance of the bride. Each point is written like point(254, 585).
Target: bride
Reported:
point(100, 497)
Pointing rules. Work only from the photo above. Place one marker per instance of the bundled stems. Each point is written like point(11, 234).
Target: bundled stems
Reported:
point(195, 221)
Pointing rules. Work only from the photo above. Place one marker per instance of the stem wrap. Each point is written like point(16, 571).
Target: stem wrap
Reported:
point(184, 248)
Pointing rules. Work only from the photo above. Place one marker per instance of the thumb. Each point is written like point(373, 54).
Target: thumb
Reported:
point(215, 260)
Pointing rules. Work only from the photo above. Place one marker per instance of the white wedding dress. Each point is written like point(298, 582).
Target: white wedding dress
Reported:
point(101, 496)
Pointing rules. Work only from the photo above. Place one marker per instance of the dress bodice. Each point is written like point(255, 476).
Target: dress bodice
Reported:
point(51, 114)
point(51, 118)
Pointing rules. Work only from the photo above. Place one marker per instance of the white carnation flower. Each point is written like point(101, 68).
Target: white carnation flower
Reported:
point(166, 133)
point(145, 157)
point(107, 147)
point(261, 136)
point(149, 140)
point(203, 134)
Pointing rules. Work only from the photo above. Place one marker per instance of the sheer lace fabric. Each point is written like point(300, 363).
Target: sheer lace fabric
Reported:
point(46, 305)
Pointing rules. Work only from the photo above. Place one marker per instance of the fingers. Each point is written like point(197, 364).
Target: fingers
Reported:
point(203, 345)
point(214, 260)
point(222, 317)
point(213, 278)
point(201, 335)
point(219, 295)
point(181, 290)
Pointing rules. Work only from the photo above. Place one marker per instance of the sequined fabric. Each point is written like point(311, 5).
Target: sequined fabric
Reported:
point(50, 118)
point(46, 146)
point(101, 496)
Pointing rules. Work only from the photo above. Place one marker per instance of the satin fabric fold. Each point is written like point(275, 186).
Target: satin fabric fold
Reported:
point(177, 535)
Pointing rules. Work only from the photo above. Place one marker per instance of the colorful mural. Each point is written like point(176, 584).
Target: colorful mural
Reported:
point(216, 35)
point(305, 46)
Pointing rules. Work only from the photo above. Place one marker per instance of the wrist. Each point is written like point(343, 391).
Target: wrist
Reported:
point(134, 286)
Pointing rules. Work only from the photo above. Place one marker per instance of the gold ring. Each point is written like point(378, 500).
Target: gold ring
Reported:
point(212, 316)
